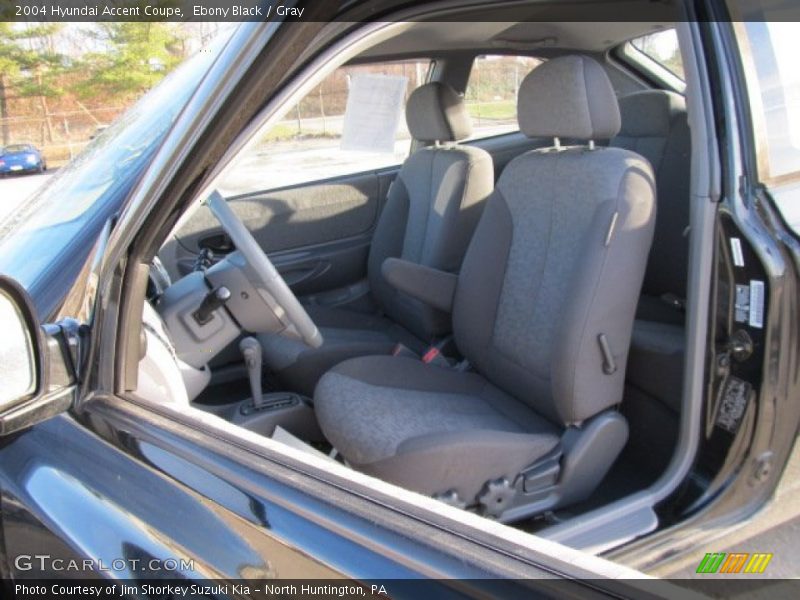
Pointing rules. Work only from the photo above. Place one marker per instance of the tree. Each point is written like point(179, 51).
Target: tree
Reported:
point(29, 63)
point(42, 67)
point(9, 69)
point(134, 58)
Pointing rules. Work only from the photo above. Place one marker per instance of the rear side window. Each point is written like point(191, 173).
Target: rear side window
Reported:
point(491, 94)
point(662, 47)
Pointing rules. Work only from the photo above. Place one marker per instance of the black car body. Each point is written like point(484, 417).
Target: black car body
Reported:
point(147, 493)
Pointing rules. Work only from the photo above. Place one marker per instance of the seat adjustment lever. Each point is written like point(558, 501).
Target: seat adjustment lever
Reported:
point(609, 366)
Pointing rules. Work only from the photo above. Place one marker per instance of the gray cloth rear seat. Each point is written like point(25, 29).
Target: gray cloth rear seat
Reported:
point(654, 124)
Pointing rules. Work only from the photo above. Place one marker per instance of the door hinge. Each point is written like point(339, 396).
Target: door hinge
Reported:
point(74, 335)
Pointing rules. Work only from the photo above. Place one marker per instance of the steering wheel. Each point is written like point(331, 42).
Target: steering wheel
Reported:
point(261, 266)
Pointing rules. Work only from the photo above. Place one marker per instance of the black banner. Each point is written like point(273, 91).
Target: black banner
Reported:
point(396, 589)
point(363, 10)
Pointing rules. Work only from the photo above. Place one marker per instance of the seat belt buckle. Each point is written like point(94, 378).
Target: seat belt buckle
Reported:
point(431, 354)
point(434, 356)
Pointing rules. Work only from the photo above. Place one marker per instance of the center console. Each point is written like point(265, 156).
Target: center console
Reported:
point(291, 411)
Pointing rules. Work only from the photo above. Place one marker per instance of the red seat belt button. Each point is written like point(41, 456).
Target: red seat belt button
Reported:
point(430, 355)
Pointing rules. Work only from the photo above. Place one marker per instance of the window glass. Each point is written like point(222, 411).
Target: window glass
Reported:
point(491, 94)
point(662, 47)
point(774, 48)
point(354, 121)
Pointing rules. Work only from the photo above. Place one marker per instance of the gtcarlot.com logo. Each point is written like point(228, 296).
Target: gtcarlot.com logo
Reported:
point(45, 562)
point(734, 562)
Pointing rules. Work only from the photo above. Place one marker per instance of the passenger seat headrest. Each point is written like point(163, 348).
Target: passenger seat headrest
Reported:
point(570, 97)
point(650, 113)
point(436, 113)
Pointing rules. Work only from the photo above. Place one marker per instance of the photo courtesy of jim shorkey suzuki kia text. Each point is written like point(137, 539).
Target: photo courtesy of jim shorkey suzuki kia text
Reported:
point(110, 11)
point(194, 590)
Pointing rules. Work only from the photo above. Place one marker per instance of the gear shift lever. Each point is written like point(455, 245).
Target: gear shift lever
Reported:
point(251, 351)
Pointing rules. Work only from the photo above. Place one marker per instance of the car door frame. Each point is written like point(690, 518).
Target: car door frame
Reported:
point(127, 307)
point(753, 469)
point(105, 409)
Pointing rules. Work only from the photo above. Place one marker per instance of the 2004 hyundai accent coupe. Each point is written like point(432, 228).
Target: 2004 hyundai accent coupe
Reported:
point(446, 290)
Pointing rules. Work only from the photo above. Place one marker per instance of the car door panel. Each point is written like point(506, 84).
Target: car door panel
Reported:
point(317, 269)
point(290, 218)
point(318, 234)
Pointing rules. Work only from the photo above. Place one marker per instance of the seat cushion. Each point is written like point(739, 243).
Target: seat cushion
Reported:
point(346, 334)
point(428, 428)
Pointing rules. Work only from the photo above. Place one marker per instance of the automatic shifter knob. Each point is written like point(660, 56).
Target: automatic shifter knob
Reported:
point(251, 351)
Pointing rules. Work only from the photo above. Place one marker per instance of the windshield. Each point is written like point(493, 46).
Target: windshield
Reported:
point(75, 203)
point(16, 148)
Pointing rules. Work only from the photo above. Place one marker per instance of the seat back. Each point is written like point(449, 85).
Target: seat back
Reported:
point(654, 124)
point(433, 205)
point(547, 293)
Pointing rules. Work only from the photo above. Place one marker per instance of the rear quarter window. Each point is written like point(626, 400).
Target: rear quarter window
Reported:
point(662, 47)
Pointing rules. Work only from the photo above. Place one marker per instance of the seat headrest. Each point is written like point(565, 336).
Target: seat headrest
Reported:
point(436, 113)
point(649, 113)
point(570, 97)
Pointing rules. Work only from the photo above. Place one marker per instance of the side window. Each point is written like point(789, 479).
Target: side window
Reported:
point(772, 48)
point(352, 122)
point(662, 48)
point(491, 93)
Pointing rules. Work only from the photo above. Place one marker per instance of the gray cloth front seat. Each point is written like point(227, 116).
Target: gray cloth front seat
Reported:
point(430, 215)
point(542, 309)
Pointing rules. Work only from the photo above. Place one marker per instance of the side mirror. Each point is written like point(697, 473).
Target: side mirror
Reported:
point(28, 393)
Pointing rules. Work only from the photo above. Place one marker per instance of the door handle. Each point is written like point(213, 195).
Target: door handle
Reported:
point(220, 243)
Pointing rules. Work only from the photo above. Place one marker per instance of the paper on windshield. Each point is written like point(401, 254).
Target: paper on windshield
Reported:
point(372, 115)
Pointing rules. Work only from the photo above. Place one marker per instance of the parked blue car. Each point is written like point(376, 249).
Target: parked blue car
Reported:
point(21, 158)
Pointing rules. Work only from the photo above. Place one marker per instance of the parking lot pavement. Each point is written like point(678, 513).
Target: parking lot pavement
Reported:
point(15, 190)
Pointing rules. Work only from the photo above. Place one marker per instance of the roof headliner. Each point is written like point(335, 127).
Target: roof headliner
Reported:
point(439, 37)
